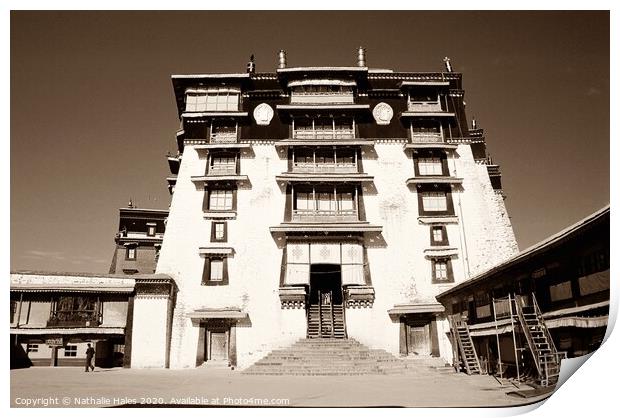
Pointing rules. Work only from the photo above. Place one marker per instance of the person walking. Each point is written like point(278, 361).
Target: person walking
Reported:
point(90, 353)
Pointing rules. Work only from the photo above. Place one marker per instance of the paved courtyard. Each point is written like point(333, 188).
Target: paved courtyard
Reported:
point(71, 387)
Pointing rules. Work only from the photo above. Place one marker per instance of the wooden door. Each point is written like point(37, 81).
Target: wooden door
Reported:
point(418, 340)
point(218, 343)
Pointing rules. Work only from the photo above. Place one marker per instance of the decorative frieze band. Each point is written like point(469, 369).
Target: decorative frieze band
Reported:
point(359, 296)
point(293, 297)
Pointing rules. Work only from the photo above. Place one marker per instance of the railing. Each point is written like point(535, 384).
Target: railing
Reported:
point(324, 134)
point(223, 169)
point(74, 319)
point(424, 107)
point(425, 137)
point(325, 167)
point(223, 137)
point(311, 215)
point(321, 98)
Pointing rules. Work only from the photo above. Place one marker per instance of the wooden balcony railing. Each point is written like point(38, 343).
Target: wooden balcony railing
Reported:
point(424, 107)
point(325, 168)
point(223, 137)
point(324, 134)
point(74, 319)
point(222, 170)
point(321, 98)
point(319, 215)
point(419, 137)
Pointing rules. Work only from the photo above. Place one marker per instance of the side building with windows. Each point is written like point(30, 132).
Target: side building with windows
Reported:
point(356, 191)
point(564, 281)
point(138, 240)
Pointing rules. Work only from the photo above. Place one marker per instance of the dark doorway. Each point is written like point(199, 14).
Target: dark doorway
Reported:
point(325, 278)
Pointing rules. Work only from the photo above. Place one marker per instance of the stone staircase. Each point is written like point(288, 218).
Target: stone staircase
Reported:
point(328, 357)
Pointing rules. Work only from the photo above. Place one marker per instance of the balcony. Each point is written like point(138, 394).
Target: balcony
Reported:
point(223, 170)
point(299, 167)
point(324, 134)
point(426, 137)
point(322, 98)
point(322, 215)
point(83, 318)
point(223, 138)
point(419, 106)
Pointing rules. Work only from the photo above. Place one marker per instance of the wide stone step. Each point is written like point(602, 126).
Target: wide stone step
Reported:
point(328, 357)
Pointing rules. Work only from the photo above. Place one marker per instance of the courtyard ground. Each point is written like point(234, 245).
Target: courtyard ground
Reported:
point(72, 387)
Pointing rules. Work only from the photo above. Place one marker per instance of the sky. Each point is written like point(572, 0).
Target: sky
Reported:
point(93, 112)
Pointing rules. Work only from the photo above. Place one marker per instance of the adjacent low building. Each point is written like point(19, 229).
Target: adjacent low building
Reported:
point(566, 277)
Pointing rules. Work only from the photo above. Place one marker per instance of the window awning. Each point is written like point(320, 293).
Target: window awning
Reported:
point(427, 114)
point(417, 308)
point(321, 82)
point(224, 313)
point(429, 83)
point(216, 251)
point(68, 331)
point(434, 180)
point(237, 178)
point(441, 252)
point(317, 178)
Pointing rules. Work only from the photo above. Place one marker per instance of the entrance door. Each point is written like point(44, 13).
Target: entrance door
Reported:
point(418, 340)
point(218, 345)
point(325, 278)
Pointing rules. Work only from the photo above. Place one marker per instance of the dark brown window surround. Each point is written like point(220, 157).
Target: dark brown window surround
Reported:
point(150, 228)
point(444, 163)
point(205, 202)
point(450, 274)
point(449, 204)
point(223, 154)
point(135, 252)
point(444, 235)
point(213, 237)
point(206, 273)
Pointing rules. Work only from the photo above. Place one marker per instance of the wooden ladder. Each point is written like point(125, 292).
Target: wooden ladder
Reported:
point(467, 351)
point(546, 357)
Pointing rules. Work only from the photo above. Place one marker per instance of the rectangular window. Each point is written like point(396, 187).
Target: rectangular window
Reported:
point(212, 100)
point(434, 201)
point(594, 283)
point(223, 163)
point(32, 348)
point(13, 310)
point(218, 232)
point(71, 351)
point(215, 272)
point(221, 199)
point(442, 270)
point(561, 291)
point(151, 229)
point(131, 253)
point(430, 167)
point(439, 235)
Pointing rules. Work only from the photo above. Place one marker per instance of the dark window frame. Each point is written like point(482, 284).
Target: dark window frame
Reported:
point(135, 252)
point(449, 271)
point(449, 203)
point(207, 198)
point(206, 272)
point(213, 231)
point(442, 156)
point(149, 227)
point(71, 350)
point(444, 234)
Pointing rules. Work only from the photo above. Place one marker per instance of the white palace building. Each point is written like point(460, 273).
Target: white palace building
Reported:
point(316, 203)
